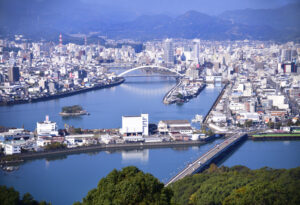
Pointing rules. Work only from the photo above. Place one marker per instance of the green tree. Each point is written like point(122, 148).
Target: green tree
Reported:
point(9, 196)
point(55, 146)
point(248, 123)
point(271, 124)
point(126, 187)
point(239, 185)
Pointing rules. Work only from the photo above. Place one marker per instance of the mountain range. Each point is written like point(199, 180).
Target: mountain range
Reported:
point(280, 24)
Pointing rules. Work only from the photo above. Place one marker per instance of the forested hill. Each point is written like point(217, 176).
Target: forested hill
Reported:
point(239, 185)
point(215, 186)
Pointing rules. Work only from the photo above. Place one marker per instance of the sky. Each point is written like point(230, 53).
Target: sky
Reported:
point(141, 7)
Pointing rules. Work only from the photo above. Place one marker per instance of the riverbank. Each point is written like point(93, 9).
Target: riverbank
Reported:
point(101, 147)
point(65, 94)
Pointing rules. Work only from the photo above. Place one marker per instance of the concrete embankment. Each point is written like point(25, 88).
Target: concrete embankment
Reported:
point(166, 97)
point(104, 147)
point(65, 94)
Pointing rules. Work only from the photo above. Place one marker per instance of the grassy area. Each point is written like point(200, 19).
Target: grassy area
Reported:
point(277, 135)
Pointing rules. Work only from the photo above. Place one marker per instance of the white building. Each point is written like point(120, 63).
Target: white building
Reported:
point(135, 125)
point(47, 128)
point(42, 142)
point(12, 148)
point(181, 126)
point(219, 117)
point(83, 139)
point(278, 101)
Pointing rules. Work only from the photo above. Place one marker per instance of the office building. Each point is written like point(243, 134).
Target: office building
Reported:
point(168, 52)
point(13, 74)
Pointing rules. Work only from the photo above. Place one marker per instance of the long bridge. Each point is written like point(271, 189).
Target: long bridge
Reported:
point(151, 66)
point(203, 161)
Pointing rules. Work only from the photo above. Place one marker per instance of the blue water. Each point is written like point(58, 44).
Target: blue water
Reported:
point(67, 179)
point(64, 181)
point(257, 154)
point(135, 96)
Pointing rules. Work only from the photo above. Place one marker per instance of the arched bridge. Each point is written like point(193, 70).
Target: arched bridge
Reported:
point(150, 66)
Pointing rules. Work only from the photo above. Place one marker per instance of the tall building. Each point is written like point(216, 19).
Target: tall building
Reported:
point(286, 55)
point(13, 74)
point(60, 40)
point(168, 52)
point(196, 49)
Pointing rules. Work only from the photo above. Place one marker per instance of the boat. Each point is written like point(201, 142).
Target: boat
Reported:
point(198, 118)
point(10, 168)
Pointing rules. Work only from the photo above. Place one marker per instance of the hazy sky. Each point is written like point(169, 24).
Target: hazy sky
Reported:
point(133, 8)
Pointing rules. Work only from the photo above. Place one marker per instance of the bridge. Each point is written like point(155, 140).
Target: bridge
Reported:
point(203, 161)
point(150, 66)
point(150, 75)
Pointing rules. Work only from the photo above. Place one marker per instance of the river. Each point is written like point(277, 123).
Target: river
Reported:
point(67, 179)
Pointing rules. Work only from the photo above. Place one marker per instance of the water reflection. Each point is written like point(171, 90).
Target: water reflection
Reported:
point(147, 91)
point(135, 156)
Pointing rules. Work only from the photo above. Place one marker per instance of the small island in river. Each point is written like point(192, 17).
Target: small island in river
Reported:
point(74, 110)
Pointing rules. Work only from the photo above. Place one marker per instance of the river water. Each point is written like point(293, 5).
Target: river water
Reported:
point(67, 179)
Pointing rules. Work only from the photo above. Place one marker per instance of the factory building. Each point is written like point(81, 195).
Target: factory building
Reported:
point(135, 125)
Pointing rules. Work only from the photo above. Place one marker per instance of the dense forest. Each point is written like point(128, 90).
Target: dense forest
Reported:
point(128, 186)
point(236, 185)
point(239, 185)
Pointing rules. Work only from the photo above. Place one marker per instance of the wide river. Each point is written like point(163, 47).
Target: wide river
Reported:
point(67, 179)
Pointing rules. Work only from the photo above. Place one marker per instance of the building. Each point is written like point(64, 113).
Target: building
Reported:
point(15, 135)
point(135, 125)
point(288, 67)
point(12, 148)
point(47, 128)
point(83, 139)
point(196, 50)
point(180, 126)
point(168, 52)
point(13, 74)
point(278, 101)
point(192, 73)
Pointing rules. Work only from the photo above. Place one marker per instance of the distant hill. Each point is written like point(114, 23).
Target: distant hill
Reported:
point(286, 17)
point(44, 21)
point(190, 25)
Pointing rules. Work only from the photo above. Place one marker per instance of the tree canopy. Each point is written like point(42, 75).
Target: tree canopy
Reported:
point(130, 186)
point(9, 196)
point(239, 185)
point(72, 109)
